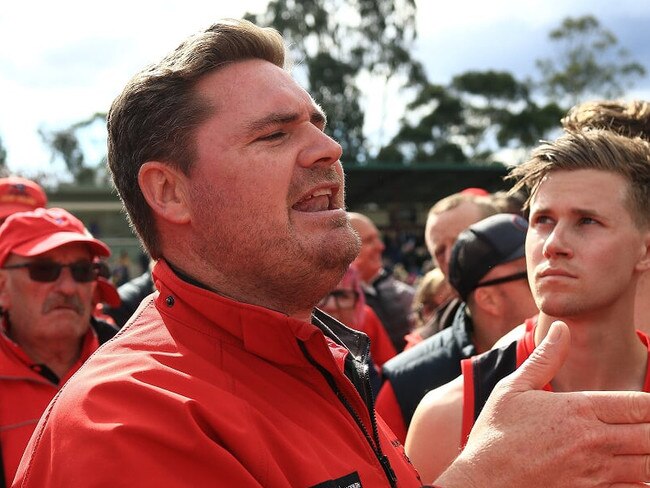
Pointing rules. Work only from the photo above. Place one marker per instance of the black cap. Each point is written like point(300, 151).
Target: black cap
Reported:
point(493, 241)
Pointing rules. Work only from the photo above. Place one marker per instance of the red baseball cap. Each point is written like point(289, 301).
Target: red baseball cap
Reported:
point(19, 195)
point(33, 233)
point(479, 192)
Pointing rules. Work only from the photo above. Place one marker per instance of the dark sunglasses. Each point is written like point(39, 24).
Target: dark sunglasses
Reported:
point(49, 271)
point(504, 279)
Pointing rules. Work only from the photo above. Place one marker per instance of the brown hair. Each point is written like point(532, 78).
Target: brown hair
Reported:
point(630, 119)
point(597, 149)
point(158, 112)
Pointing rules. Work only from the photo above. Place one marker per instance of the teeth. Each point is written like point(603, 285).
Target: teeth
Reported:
point(321, 193)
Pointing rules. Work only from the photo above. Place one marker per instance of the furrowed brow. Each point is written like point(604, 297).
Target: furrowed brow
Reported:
point(275, 119)
point(318, 117)
point(271, 120)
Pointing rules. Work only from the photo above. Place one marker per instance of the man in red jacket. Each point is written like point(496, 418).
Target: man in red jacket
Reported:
point(229, 376)
point(47, 282)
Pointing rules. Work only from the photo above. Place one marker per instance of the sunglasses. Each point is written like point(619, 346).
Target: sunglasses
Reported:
point(49, 271)
point(343, 299)
point(504, 279)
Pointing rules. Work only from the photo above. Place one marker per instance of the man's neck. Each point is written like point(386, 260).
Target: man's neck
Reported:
point(605, 353)
point(488, 330)
point(59, 356)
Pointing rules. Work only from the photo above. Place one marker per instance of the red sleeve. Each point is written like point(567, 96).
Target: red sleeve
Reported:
point(381, 347)
point(468, 399)
point(388, 408)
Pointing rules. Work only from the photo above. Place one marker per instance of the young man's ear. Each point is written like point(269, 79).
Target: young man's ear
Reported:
point(165, 190)
point(644, 262)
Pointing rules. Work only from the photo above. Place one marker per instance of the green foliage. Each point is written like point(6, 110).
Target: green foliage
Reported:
point(458, 121)
point(480, 112)
point(339, 44)
point(589, 63)
point(65, 144)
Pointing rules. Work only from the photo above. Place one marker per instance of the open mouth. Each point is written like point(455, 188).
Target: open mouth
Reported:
point(318, 201)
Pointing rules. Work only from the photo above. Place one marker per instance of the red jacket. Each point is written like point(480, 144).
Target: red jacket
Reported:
point(381, 347)
point(24, 395)
point(199, 390)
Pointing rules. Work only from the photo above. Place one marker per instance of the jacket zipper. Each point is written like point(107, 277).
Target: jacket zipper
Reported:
point(375, 446)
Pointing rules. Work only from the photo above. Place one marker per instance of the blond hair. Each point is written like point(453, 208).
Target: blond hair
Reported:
point(597, 149)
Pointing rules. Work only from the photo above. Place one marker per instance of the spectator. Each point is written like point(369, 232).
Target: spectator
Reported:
point(446, 219)
point(47, 281)
point(122, 272)
point(232, 377)
point(431, 291)
point(488, 269)
point(347, 304)
point(19, 195)
point(587, 245)
point(390, 298)
point(130, 294)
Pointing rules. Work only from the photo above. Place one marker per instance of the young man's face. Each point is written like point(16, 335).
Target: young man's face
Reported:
point(583, 249)
point(267, 189)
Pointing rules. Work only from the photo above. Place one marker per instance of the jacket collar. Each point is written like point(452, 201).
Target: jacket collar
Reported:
point(264, 332)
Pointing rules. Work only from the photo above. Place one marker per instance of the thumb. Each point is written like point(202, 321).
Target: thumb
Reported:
point(545, 361)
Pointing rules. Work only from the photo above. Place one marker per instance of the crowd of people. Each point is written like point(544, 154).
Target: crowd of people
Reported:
point(269, 346)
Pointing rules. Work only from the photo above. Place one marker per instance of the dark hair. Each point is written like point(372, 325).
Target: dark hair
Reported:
point(158, 112)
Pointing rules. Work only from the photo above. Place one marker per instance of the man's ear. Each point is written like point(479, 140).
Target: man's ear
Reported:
point(165, 190)
point(487, 300)
point(644, 262)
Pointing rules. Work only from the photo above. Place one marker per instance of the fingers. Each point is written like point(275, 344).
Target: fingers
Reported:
point(629, 468)
point(620, 407)
point(545, 362)
point(628, 440)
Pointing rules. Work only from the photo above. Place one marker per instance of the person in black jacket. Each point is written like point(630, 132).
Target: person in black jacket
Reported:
point(488, 270)
point(131, 294)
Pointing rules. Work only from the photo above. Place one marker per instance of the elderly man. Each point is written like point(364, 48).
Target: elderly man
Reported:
point(47, 281)
point(390, 298)
point(228, 376)
point(488, 269)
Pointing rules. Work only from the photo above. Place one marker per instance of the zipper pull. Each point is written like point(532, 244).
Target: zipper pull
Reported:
point(390, 474)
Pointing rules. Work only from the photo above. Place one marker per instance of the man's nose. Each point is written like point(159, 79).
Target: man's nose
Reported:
point(320, 149)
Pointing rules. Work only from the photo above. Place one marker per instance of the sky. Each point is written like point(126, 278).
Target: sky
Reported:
point(63, 61)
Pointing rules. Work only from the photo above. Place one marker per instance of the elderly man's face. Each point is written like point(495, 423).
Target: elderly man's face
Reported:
point(369, 262)
point(267, 190)
point(47, 311)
